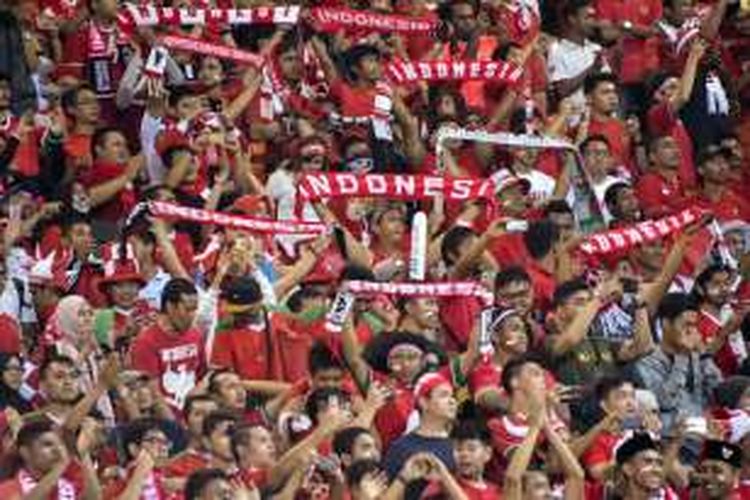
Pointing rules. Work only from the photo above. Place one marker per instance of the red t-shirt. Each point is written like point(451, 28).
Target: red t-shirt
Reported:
point(178, 360)
point(187, 462)
point(485, 491)
point(245, 351)
point(602, 450)
point(619, 140)
point(638, 56)
point(70, 485)
point(659, 196)
point(726, 359)
point(543, 283)
point(662, 121)
point(458, 315)
point(361, 101)
point(390, 420)
point(730, 206)
point(122, 203)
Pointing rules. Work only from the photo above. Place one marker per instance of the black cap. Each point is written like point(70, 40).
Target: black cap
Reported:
point(636, 444)
point(712, 151)
point(242, 291)
point(723, 452)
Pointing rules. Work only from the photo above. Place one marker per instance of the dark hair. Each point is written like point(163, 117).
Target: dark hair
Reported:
point(343, 440)
point(170, 154)
point(73, 218)
point(319, 398)
point(454, 238)
point(359, 469)
point(305, 292)
point(214, 419)
point(241, 436)
point(200, 479)
point(135, 431)
point(213, 384)
point(594, 138)
point(100, 136)
point(31, 430)
point(322, 358)
point(471, 430)
point(557, 207)
point(541, 237)
point(571, 8)
point(174, 290)
point(51, 359)
point(594, 80)
point(675, 304)
point(567, 289)
point(69, 99)
point(177, 93)
point(699, 286)
point(4, 77)
point(192, 400)
point(512, 274)
point(612, 194)
point(513, 368)
point(609, 383)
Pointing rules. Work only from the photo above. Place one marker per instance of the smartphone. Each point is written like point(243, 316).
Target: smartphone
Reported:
point(696, 425)
point(517, 226)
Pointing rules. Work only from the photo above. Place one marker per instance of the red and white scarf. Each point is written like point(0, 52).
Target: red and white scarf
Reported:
point(442, 289)
point(200, 216)
point(334, 20)
point(496, 71)
point(132, 16)
point(622, 239)
point(394, 186)
point(103, 41)
point(66, 490)
point(195, 46)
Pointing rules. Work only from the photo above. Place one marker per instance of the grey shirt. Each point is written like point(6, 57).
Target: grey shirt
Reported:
point(682, 384)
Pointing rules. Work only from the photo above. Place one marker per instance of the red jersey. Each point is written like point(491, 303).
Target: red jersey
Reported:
point(619, 140)
point(729, 206)
point(153, 488)
point(186, 463)
point(637, 56)
point(602, 450)
point(659, 196)
point(480, 491)
point(661, 120)
point(122, 203)
point(728, 358)
point(391, 419)
point(246, 351)
point(363, 102)
point(177, 360)
point(69, 486)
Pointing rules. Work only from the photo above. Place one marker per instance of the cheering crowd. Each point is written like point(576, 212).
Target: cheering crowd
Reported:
point(375, 249)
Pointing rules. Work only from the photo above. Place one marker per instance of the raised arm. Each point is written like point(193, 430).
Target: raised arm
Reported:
point(574, 474)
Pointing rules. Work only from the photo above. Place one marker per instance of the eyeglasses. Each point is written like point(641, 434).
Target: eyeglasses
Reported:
point(312, 159)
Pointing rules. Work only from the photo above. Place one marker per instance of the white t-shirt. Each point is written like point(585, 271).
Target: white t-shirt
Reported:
point(567, 59)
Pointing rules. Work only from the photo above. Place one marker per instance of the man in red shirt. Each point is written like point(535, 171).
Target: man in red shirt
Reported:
point(473, 449)
point(197, 408)
point(46, 467)
point(718, 323)
point(82, 106)
point(247, 347)
point(109, 181)
point(669, 94)
point(604, 100)
point(172, 349)
point(631, 25)
point(616, 397)
point(715, 192)
point(660, 190)
point(719, 469)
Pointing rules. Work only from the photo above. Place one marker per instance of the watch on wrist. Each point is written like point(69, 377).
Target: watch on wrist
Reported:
point(627, 25)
